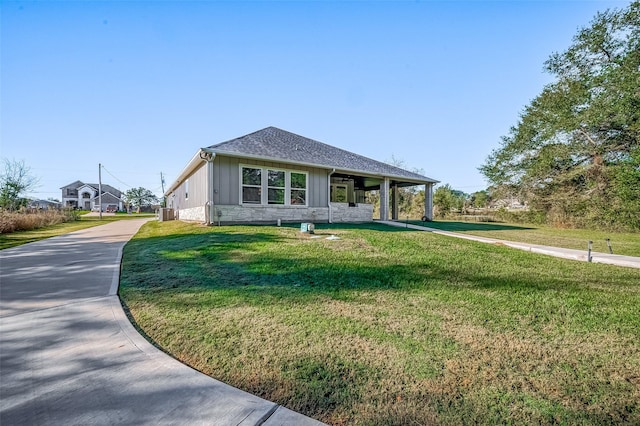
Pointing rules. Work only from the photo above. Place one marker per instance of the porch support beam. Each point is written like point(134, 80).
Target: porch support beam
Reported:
point(384, 199)
point(428, 201)
point(394, 202)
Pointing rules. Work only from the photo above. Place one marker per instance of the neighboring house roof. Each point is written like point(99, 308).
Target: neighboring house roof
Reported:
point(107, 197)
point(276, 144)
point(74, 185)
point(105, 188)
point(44, 203)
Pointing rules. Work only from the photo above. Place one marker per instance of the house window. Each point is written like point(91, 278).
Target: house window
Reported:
point(298, 188)
point(251, 185)
point(86, 195)
point(272, 186)
point(338, 193)
point(276, 186)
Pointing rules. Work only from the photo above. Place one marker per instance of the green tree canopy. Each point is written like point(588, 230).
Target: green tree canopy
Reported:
point(140, 197)
point(445, 199)
point(480, 199)
point(575, 152)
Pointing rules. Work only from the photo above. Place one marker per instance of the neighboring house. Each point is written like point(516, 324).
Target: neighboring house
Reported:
point(44, 204)
point(84, 196)
point(273, 174)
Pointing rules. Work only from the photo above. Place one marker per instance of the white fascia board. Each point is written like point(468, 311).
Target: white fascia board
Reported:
point(86, 185)
point(319, 166)
point(188, 169)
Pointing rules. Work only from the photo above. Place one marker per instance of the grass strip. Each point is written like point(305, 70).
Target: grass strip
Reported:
point(624, 243)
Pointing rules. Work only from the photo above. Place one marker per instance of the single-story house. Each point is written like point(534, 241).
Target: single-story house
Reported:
point(44, 204)
point(85, 196)
point(272, 175)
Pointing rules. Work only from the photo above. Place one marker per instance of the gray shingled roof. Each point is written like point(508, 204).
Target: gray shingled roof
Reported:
point(107, 197)
point(276, 144)
point(105, 188)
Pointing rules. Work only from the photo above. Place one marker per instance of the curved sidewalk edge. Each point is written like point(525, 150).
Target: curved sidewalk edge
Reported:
point(69, 355)
point(228, 405)
point(596, 257)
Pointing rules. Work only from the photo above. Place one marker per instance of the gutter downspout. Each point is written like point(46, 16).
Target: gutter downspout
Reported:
point(208, 157)
point(329, 194)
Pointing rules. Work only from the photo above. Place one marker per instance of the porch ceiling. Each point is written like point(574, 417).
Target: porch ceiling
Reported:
point(370, 183)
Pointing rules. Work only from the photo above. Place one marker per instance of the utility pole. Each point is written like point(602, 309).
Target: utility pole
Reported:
point(100, 189)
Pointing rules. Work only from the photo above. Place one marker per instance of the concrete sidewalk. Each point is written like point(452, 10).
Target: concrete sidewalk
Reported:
point(611, 259)
point(68, 354)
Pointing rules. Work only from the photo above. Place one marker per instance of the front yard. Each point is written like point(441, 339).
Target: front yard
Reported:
point(391, 326)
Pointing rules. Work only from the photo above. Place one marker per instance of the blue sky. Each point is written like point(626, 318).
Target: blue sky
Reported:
point(140, 86)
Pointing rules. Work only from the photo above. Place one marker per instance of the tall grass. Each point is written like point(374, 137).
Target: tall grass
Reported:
point(28, 220)
point(19, 237)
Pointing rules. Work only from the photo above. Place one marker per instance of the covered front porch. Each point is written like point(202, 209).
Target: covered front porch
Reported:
point(353, 192)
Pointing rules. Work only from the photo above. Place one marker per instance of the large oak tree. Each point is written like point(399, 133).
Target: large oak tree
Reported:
point(575, 152)
point(140, 197)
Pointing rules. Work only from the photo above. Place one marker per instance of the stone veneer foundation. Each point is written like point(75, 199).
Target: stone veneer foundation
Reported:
point(341, 212)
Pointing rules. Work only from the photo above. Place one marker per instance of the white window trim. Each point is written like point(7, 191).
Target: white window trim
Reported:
point(262, 184)
point(264, 193)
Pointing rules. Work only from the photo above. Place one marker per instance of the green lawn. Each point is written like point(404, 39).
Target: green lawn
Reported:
point(622, 243)
point(388, 326)
point(18, 238)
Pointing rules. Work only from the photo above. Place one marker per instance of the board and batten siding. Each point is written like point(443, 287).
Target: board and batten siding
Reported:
point(197, 196)
point(226, 180)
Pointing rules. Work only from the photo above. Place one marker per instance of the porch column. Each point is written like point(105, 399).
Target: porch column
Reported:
point(428, 201)
point(384, 199)
point(394, 202)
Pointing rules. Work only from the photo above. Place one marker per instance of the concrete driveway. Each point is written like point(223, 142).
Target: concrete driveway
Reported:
point(68, 354)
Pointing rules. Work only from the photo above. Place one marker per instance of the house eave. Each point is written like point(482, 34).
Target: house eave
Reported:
point(319, 166)
point(196, 161)
point(191, 166)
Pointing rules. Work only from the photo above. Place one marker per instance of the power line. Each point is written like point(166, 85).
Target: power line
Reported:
point(111, 174)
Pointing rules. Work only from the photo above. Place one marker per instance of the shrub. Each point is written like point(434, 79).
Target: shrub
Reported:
point(26, 220)
point(523, 216)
